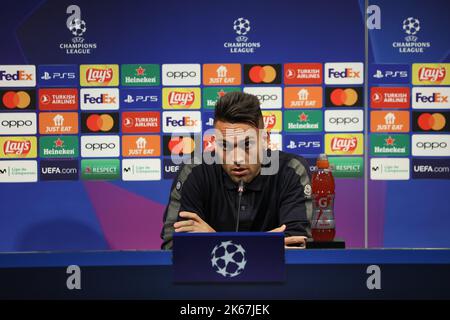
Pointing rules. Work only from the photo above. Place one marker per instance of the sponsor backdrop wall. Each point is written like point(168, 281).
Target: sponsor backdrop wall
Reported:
point(90, 94)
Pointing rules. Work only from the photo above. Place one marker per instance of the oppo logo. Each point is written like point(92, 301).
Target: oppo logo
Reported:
point(181, 74)
point(431, 145)
point(100, 146)
point(343, 120)
point(267, 97)
point(16, 123)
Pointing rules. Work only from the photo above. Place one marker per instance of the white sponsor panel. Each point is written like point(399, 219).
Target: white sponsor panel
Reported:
point(141, 169)
point(389, 168)
point(269, 97)
point(181, 74)
point(182, 122)
point(17, 76)
point(100, 146)
point(18, 171)
point(18, 123)
point(99, 99)
point(344, 120)
point(344, 73)
point(276, 141)
point(431, 97)
point(431, 145)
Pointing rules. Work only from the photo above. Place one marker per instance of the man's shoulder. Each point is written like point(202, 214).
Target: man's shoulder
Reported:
point(289, 162)
point(196, 169)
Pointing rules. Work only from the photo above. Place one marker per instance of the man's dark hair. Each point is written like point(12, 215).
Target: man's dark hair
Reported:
point(239, 107)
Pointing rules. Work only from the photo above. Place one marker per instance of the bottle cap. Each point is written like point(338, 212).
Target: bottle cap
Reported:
point(322, 161)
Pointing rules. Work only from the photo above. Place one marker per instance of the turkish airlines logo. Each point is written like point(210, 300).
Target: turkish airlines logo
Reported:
point(389, 97)
point(58, 99)
point(303, 73)
point(141, 122)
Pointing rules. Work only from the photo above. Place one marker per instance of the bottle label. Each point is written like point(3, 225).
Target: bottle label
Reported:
point(323, 219)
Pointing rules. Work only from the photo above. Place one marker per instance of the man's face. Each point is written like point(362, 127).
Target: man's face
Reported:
point(239, 146)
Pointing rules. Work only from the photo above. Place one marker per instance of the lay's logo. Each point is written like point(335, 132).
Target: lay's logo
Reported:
point(431, 74)
point(272, 120)
point(17, 76)
point(181, 98)
point(99, 75)
point(344, 144)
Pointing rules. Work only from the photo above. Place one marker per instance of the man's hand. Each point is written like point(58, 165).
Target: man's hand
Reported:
point(193, 224)
point(294, 242)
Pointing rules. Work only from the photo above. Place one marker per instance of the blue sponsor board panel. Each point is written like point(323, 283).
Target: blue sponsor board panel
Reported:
point(140, 98)
point(54, 75)
point(389, 73)
point(430, 168)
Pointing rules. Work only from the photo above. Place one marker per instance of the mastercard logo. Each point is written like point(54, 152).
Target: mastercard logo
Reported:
point(98, 123)
point(16, 99)
point(181, 145)
point(428, 121)
point(262, 74)
point(345, 97)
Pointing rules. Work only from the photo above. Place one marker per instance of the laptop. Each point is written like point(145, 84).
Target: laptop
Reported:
point(228, 257)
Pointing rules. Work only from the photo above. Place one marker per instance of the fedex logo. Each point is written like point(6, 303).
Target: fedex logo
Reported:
point(17, 76)
point(99, 99)
point(344, 73)
point(182, 122)
point(431, 98)
point(435, 97)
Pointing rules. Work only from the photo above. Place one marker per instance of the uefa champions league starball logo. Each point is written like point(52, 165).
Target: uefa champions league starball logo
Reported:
point(411, 26)
point(77, 27)
point(228, 259)
point(241, 26)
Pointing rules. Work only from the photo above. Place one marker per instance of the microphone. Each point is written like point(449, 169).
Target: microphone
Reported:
point(240, 190)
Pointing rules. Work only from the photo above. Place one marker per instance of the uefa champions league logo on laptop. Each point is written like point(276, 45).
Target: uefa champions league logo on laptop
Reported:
point(228, 259)
point(77, 28)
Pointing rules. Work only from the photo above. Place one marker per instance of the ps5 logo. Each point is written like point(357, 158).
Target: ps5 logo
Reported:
point(130, 99)
point(58, 75)
point(74, 22)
